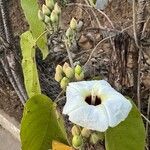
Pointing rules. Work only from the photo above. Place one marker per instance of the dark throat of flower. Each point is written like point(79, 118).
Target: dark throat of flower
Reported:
point(93, 100)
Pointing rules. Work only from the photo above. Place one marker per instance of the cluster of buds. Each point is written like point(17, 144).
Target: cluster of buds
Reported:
point(92, 136)
point(82, 135)
point(50, 14)
point(64, 74)
point(71, 32)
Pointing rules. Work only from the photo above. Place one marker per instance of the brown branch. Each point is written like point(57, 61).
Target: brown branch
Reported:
point(137, 29)
point(8, 59)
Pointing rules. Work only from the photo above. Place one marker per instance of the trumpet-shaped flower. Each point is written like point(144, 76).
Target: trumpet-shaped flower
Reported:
point(95, 105)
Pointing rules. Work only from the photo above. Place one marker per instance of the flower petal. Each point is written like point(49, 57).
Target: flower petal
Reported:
point(76, 93)
point(75, 99)
point(117, 109)
point(90, 117)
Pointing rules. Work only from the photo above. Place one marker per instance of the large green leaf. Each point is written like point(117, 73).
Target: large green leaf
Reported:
point(41, 124)
point(31, 78)
point(128, 135)
point(30, 8)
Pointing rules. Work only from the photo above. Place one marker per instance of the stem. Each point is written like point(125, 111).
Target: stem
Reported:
point(69, 54)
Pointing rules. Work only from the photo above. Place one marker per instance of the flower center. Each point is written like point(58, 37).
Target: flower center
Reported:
point(90, 101)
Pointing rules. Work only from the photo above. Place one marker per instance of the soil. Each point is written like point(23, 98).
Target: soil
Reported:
point(120, 13)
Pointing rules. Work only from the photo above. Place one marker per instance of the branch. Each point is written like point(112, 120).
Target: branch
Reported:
point(11, 65)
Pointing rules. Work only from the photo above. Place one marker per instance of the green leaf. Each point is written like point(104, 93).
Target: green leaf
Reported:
point(30, 8)
point(41, 124)
point(31, 78)
point(128, 135)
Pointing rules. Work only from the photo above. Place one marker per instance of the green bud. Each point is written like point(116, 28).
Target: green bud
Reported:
point(75, 130)
point(47, 19)
point(58, 77)
point(54, 17)
point(69, 72)
point(57, 9)
point(69, 33)
point(59, 69)
point(64, 82)
point(65, 66)
point(58, 74)
point(73, 24)
point(78, 69)
point(41, 16)
point(94, 138)
point(50, 4)
point(86, 132)
point(77, 141)
point(45, 10)
point(79, 77)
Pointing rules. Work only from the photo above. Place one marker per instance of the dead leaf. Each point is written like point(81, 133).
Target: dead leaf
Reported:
point(60, 146)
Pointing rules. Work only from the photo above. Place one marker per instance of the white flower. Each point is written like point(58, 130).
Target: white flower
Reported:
point(95, 105)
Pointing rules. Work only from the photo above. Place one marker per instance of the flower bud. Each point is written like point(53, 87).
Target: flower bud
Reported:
point(41, 15)
point(77, 141)
point(45, 10)
point(94, 138)
point(86, 132)
point(54, 17)
point(64, 82)
point(69, 33)
point(73, 24)
point(79, 77)
point(47, 19)
point(65, 66)
point(58, 77)
point(59, 69)
point(50, 4)
point(57, 9)
point(69, 72)
point(78, 69)
point(75, 130)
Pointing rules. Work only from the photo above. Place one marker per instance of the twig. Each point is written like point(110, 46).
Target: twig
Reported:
point(134, 24)
point(145, 25)
point(94, 15)
point(87, 14)
point(69, 55)
point(138, 22)
point(139, 79)
point(101, 12)
point(138, 49)
point(96, 48)
point(147, 120)
point(11, 79)
point(58, 100)
point(140, 17)
point(59, 95)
